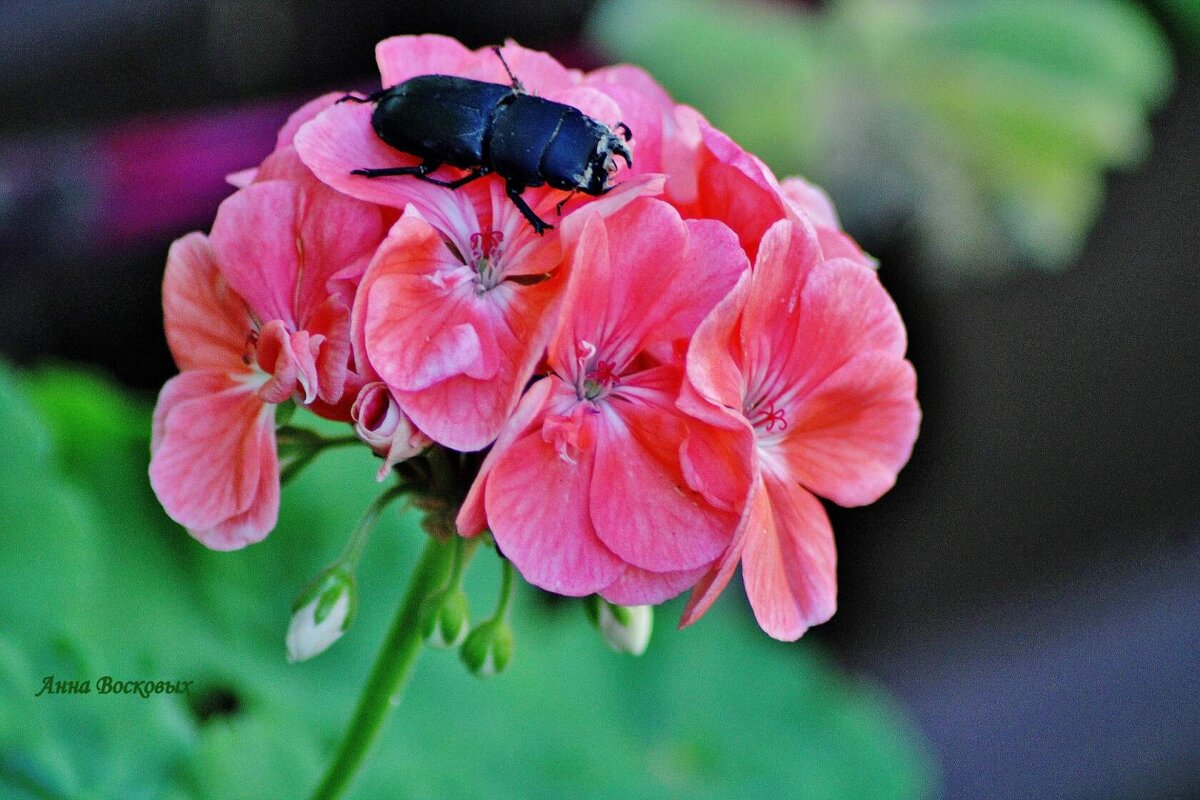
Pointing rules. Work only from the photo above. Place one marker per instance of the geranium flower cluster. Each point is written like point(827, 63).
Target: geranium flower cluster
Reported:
point(664, 383)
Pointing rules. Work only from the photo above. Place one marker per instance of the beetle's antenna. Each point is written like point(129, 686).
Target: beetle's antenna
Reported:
point(371, 98)
point(516, 83)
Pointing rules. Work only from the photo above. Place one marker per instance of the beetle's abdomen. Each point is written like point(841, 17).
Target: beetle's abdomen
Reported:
point(522, 131)
point(439, 117)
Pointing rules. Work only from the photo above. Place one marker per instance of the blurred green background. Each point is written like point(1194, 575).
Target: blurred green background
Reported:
point(982, 129)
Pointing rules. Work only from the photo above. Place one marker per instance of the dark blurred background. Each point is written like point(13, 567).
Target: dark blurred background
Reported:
point(1030, 590)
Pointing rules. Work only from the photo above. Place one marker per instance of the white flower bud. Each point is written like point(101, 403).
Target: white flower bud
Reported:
point(321, 615)
point(625, 629)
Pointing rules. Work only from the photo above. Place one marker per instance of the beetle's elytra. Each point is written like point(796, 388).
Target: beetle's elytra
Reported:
point(492, 127)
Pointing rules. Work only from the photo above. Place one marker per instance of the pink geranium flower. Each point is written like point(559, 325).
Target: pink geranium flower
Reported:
point(585, 490)
point(804, 360)
point(454, 321)
point(255, 315)
point(453, 315)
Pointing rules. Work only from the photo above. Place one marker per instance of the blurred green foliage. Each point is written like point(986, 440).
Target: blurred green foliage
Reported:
point(95, 581)
point(984, 128)
point(1185, 14)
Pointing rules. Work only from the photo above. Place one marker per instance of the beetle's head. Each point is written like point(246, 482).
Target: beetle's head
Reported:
point(603, 164)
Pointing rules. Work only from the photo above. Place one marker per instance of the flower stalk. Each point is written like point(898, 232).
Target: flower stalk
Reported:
point(390, 673)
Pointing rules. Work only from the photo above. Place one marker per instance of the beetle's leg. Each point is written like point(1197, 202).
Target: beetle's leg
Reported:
point(513, 190)
point(558, 208)
point(478, 172)
point(421, 170)
point(623, 129)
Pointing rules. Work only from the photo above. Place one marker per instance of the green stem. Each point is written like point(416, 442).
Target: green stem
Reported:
point(362, 532)
point(298, 448)
point(508, 577)
point(389, 674)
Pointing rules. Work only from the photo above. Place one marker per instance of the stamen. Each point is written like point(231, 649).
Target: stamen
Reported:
point(600, 379)
point(250, 347)
point(768, 418)
point(485, 245)
point(485, 253)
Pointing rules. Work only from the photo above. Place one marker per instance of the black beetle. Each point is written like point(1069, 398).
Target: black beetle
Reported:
point(490, 127)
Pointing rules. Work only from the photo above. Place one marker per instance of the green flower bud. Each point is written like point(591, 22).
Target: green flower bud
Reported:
point(321, 614)
point(625, 629)
point(445, 618)
point(488, 648)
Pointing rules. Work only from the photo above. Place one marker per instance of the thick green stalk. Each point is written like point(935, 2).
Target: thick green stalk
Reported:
point(390, 673)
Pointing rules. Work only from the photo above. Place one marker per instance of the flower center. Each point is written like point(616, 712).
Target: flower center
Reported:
point(597, 376)
point(250, 348)
point(767, 418)
point(485, 253)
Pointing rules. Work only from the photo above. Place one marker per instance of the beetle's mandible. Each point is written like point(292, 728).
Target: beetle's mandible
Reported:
point(492, 127)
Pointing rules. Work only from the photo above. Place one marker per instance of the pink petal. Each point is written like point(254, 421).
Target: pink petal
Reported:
point(279, 243)
point(789, 564)
point(539, 72)
point(717, 458)
point(277, 358)
point(402, 57)
point(471, 517)
point(641, 505)
point(636, 79)
point(736, 188)
point(303, 114)
point(681, 154)
point(457, 359)
point(341, 139)
point(242, 178)
point(537, 509)
point(283, 165)
point(755, 516)
point(252, 525)
point(331, 323)
point(810, 200)
point(709, 269)
point(213, 463)
point(406, 307)
point(714, 371)
point(596, 104)
point(639, 587)
point(855, 430)
point(207, 324)
point(838, 244)
point(637, 278)
point(771, 327)
point(843, 311)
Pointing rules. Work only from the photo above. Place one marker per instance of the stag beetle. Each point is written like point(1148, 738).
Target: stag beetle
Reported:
point(490, 127)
